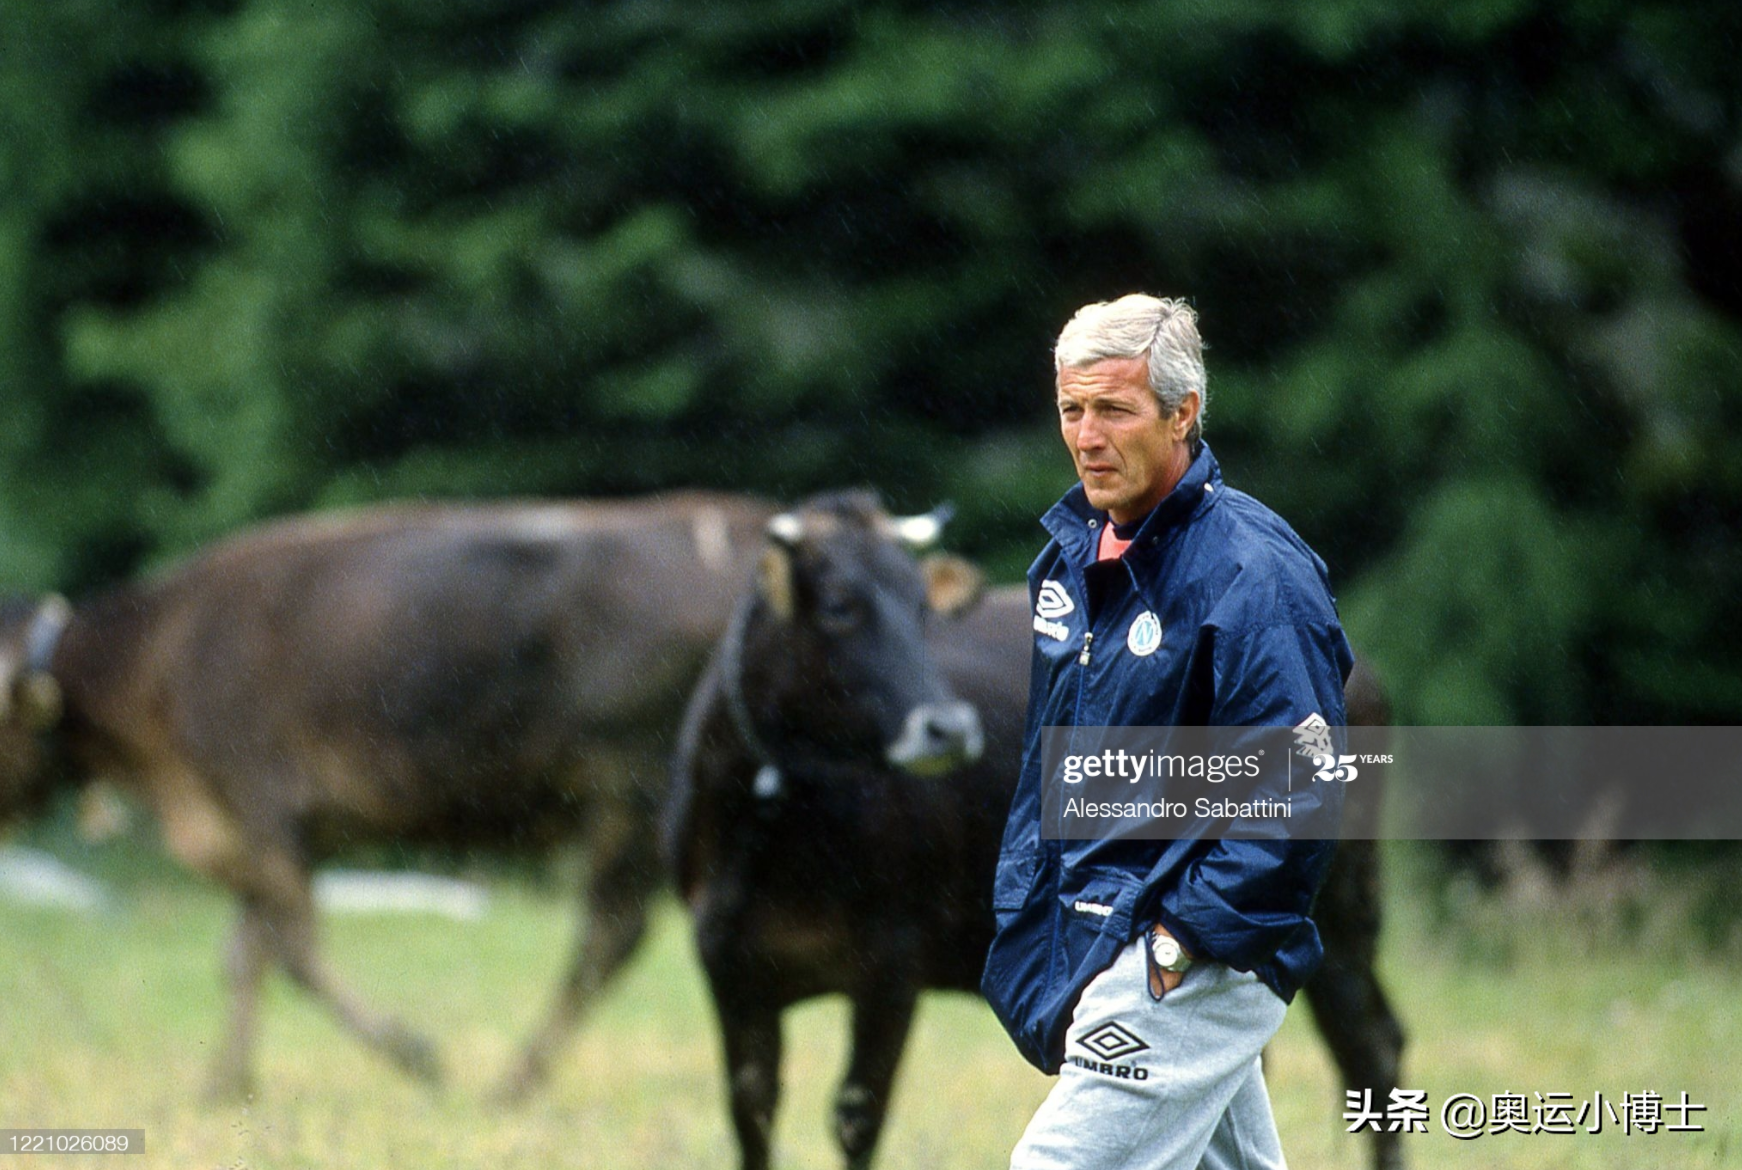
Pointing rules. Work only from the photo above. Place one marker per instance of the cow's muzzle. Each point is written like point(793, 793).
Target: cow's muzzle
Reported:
point(937, 737)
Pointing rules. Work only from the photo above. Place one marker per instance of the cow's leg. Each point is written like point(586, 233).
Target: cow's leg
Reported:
point(244, 965)
point(623, 872)
point(881, 1019)
point(292, 927)
point(272, 880)
point(751, 1038)
point(1348, 1003)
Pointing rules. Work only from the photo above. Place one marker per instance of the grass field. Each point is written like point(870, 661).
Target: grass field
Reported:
point(108, 1021)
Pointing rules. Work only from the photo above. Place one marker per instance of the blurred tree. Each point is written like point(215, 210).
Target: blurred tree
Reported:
point(1469, 271)
point(87, 88)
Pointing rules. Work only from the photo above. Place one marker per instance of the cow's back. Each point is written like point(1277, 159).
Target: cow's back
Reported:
point(449, 670)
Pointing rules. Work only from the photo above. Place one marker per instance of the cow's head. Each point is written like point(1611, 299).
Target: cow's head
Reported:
point(835, 658)
point(30, 700)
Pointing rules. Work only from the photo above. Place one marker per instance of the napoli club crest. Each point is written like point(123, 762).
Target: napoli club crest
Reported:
point(1144, 637)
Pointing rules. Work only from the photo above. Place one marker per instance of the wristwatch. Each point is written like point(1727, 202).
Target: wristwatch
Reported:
point(1169, 955)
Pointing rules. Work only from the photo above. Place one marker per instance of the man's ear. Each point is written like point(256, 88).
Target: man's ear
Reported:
point(953, 585)
point(1181, 424)
point(774, 580)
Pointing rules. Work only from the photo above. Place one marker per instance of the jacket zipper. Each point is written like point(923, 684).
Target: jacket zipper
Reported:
point(1088, 638)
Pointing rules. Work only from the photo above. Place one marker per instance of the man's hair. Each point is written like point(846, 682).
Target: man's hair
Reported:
point(1160, 328)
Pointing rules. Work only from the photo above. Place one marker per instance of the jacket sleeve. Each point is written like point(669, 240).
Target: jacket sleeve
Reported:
point(1243, 899)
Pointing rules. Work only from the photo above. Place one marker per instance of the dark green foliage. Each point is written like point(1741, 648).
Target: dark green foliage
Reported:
point(1471, 273)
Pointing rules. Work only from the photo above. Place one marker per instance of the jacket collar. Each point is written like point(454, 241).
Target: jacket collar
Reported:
point(1069, 520)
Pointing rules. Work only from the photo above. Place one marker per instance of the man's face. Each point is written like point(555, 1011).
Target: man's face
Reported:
point(1128, 455)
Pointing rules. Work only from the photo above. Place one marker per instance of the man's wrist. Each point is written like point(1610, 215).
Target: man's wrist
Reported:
point(1170, 954)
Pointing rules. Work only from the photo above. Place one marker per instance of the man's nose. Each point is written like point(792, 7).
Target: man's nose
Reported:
point(1089, 437)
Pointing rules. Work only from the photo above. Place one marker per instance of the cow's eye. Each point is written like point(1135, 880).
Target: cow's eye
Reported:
point(838, 615)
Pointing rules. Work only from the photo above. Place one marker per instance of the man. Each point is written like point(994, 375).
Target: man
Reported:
point(1153, 971)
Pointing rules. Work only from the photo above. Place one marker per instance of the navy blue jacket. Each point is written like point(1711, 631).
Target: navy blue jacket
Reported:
point(1249, 638)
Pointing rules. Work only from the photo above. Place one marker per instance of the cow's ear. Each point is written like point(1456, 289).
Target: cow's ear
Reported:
point(774, 580)
point(952, 585)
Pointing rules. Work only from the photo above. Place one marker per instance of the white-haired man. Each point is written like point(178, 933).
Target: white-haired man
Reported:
point(1150, 973)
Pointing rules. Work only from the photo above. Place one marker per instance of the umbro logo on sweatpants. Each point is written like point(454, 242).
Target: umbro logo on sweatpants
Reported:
point(1110, 1042)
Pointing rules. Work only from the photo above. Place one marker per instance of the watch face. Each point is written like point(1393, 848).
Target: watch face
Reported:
point(1166, 950)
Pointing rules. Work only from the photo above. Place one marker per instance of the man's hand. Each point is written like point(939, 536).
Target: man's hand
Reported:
point(1161, 982)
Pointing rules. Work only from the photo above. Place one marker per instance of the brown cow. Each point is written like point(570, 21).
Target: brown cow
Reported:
point(512, 673)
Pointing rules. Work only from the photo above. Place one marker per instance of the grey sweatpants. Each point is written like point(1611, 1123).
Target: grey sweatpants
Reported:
point(1169, 1084)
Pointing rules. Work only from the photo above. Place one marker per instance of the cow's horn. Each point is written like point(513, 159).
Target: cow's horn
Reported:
point(786, 528)
point(922, 531)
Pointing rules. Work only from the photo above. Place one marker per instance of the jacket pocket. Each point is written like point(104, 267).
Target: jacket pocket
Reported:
point(1095, 915)
point(1103, 898)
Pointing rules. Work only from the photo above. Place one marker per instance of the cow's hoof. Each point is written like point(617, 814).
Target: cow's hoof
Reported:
point(858, 1122)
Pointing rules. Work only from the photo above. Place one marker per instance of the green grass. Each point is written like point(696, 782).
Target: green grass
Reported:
point(110, 1021)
